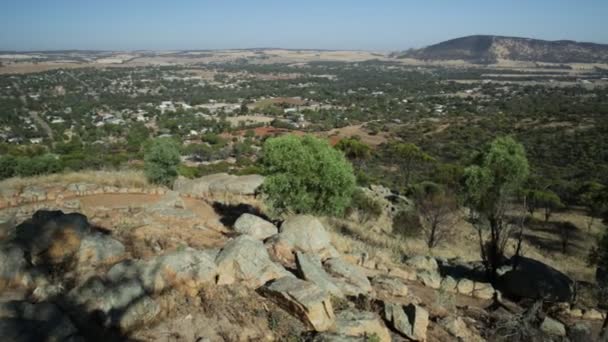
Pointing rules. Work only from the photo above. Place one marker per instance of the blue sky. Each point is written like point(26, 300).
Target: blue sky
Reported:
point(340, 24)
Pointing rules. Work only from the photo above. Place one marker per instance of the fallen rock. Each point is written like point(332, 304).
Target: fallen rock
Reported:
point(304, 300)
point(22, 321)
point(423, 263)
point(465, 287)
point(575, 313)
point(186, 270)
point(312, 270)
point(14, 269)
point(592, 315)
point(391, 286)
point(457, 327)
point(580, 332)
point(356, 323)
point(124, 305)
point(553, 327)
point(534, 279)
point(402, 273)
point(46, 292)
point(255, 226)
point(430, 279)
point(245, 259)
point(7, 225)
point(219, 183)
point(99, 249)
point(351, 279)
point(412, 321)
point(52, 237)
point(483, 290)
point(449, 284)
point(302, 233)
point(171, 205)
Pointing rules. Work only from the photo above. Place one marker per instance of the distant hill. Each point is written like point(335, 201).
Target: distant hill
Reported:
point(487, 49)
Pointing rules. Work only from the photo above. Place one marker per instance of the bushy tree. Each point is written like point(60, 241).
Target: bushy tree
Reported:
point(7, 166)
point(407, 156)
point(546, 200)
point(161, 159)
point(595, 198)
point(490, 182)
point(306, 175)
point(549, 201)
point(354, 149)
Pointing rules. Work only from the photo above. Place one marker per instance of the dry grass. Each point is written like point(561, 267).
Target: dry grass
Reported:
point(352, 237)
point(121, 179)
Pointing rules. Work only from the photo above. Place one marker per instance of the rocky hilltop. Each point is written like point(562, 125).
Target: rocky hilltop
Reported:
point(202, 262)
point(487, 49)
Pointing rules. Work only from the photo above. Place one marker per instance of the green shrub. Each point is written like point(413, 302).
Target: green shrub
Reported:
point(188, 171)
point(306, 175)
point(7, 166)
point(367, 208)
point(35, 166)
point(406, 223)
point(161, 161)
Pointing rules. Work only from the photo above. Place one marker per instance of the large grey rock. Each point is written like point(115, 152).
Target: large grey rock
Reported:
point(33, 193)
point(7, 225)
point(411, 320)
point(14, 269)
point(391, 203)
point(188, 270)
point(312, 270)
point(22, 321)
point(255, 226)
point(124, 304)
point(580, 332)
point(430, 279)
point(219, 183)
point(245, 259)
point(170, 205)
point(304, 300)
point(423, 263)
point(483, 290)
point(355, 323)
point(553, 327)
point(351, 278)
point(302, 233)
point(456, 326)
point(465, 287)
point(449, 284)
point(534, 279)
point(305, 233)
point(391, 286)
point(52, 237)
point(99, 249)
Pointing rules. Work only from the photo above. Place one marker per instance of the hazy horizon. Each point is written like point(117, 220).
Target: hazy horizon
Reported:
point(389, 25)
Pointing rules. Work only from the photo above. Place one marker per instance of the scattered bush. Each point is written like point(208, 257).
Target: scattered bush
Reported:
point(306, 175)
point(406, 223)
point(367, 208)
point(161, 161)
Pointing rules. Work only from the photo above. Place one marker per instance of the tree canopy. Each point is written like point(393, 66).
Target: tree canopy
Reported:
point(306, 175)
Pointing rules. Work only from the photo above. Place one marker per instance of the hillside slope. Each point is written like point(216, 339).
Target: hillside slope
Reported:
point(488, 49)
